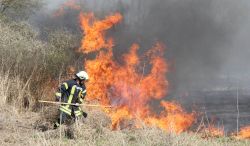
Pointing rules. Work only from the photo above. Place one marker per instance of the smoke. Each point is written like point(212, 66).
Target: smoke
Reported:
point(207, 40)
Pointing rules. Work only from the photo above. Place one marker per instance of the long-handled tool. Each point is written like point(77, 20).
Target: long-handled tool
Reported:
point(59, 103)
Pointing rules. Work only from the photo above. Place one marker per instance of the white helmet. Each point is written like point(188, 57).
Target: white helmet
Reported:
point(82, 75)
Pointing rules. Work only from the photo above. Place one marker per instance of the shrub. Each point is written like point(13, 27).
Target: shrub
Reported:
point(31, 63)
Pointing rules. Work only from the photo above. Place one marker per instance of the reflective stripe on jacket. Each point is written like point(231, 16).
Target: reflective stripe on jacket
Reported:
point(71, 92)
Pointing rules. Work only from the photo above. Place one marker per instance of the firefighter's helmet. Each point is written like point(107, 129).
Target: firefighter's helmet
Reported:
point(82, 75)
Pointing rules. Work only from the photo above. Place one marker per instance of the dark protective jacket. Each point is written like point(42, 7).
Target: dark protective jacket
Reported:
point(71, 92)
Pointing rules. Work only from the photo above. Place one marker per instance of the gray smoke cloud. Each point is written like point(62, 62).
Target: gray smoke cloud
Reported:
point(207, 40)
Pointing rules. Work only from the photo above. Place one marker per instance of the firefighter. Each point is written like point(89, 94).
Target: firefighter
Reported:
point(72, 92)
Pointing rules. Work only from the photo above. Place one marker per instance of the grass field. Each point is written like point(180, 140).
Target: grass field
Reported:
point(25, 128)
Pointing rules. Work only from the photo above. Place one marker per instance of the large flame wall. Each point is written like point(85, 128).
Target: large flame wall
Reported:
point(126, 85)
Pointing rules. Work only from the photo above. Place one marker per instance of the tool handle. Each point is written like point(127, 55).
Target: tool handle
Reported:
point(88, 105)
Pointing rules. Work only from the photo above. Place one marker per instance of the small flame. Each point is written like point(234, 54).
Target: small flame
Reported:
point(244, 133)
point(213, 131)
point(68, 4)
point(172, 119)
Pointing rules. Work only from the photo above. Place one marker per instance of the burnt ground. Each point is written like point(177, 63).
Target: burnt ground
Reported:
point(220, 106)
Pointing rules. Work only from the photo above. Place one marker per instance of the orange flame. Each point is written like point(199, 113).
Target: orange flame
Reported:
point(244, 133)
point(173, 118)
point(94, 32)
point(131, 85)
point(212, 131)
point(68, 4)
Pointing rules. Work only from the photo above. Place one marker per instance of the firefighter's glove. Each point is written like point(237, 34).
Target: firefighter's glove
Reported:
point(82, 95)
point(58, 96)
point(85, 115)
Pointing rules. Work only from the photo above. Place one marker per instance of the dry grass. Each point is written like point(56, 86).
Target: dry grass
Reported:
point(17, 128)
point(4, 87)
